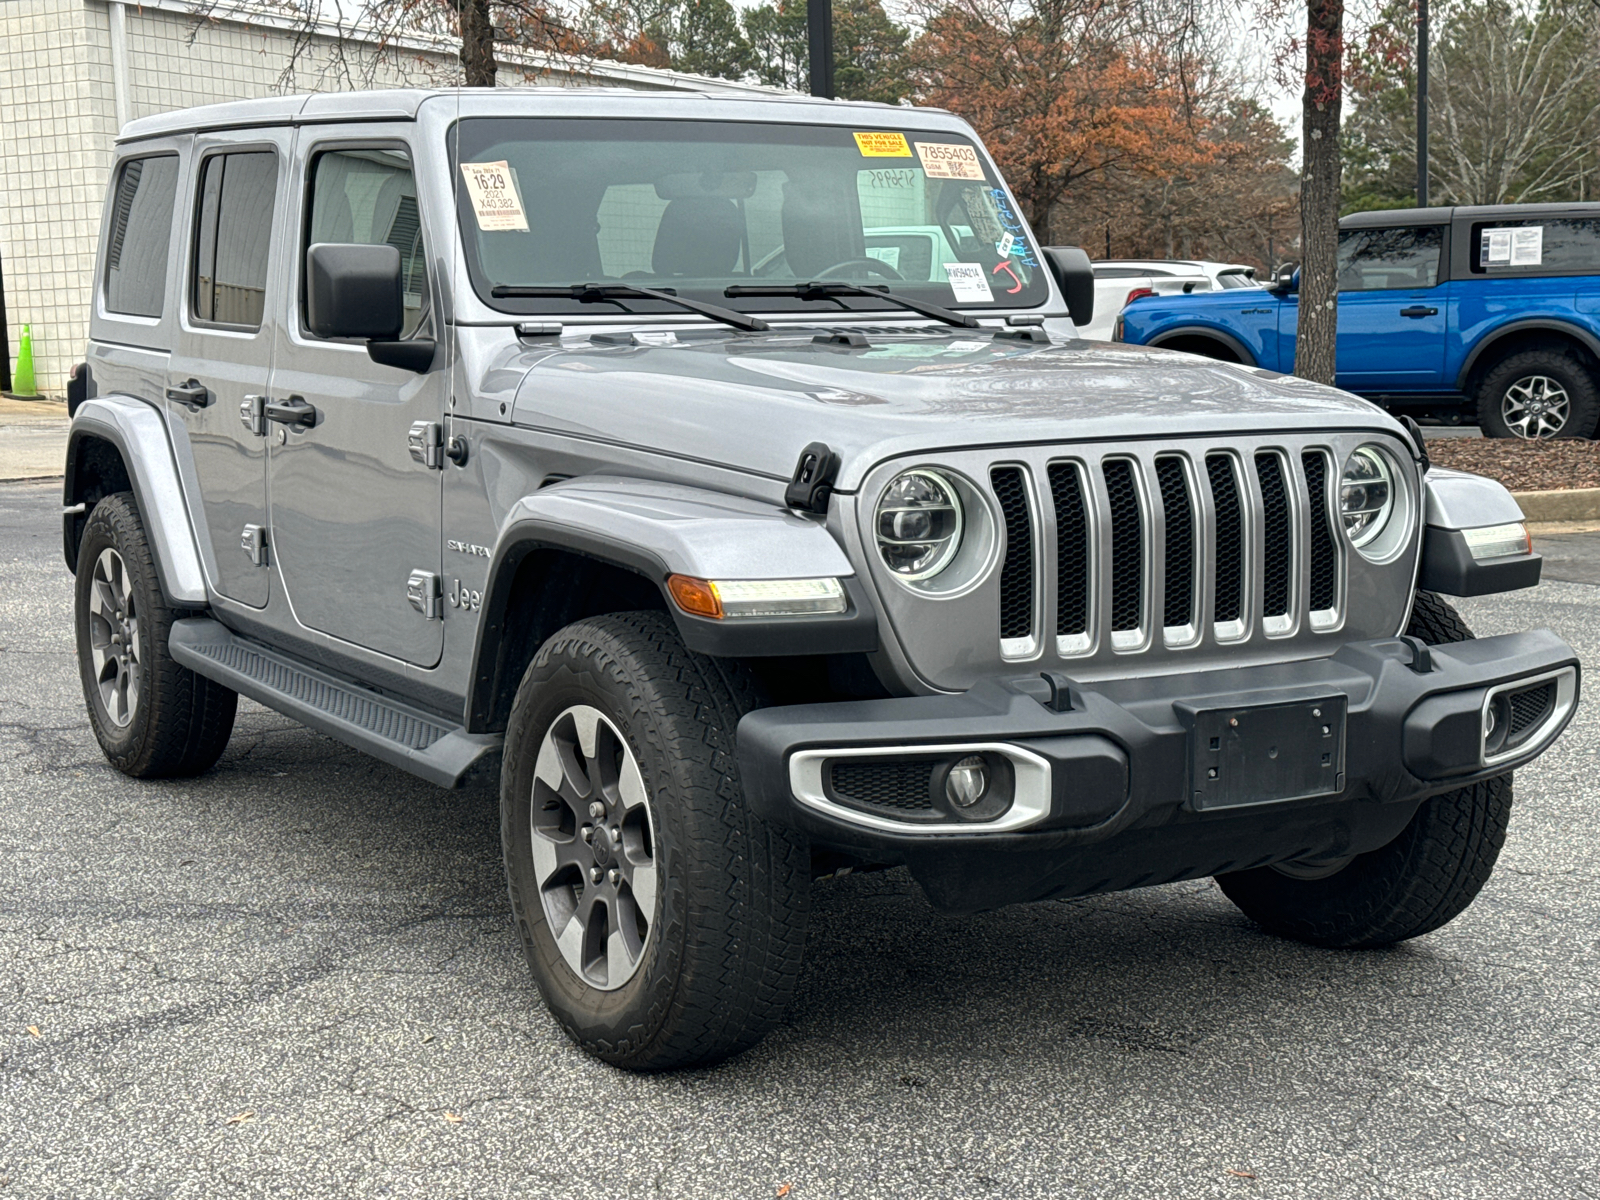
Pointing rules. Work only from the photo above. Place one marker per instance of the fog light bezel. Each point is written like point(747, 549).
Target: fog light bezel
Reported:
point(1566, 681)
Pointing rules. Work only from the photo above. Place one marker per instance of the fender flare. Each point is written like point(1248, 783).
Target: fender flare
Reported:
point(139, 434)
point(659, 529)
point(1501, 332)
point(1246, 359)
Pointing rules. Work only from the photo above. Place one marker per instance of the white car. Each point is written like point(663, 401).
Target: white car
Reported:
point(1119, 281)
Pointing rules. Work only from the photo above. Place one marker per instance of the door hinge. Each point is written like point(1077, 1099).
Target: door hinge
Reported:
point(253, 414)
point(426, 440)
point(254, 543)
point(423, 590)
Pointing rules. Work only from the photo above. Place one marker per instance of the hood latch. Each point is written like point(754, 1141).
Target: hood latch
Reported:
point(812, 482)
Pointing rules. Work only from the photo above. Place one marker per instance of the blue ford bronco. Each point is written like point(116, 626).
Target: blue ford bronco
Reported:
point(1488, 314)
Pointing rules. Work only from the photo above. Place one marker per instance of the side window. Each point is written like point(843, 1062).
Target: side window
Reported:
point(140, 235)
point(1535, 247)
point(369, 197)
point(1375, 260)
point(237, 196)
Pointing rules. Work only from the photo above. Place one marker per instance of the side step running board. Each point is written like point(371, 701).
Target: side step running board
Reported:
point(405, 737)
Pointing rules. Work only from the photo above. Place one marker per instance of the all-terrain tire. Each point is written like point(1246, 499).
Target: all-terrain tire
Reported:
point(173, 722)
point(726, 928)
point(1415, 884)
point(1561, 367)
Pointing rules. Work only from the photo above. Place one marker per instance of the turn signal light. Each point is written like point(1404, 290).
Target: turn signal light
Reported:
point(734, 598)
point(1496, 541)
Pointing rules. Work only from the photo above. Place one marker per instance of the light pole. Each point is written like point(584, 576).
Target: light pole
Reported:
point(819, 32)
point(1422, 103)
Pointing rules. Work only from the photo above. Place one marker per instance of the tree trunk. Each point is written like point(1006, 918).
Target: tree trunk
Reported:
point(1319, 192)
point(477, 43)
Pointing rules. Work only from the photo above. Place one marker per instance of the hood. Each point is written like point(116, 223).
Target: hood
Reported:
point(753, 402)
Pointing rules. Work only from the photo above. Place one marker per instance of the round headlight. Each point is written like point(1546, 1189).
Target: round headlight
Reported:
point(1366, 495)
point(918, 524)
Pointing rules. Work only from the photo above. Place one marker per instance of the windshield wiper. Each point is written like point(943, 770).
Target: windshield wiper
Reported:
point(828, 289)
point(597, 293)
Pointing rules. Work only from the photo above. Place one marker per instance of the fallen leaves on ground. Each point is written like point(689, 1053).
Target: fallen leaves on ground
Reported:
point(1241, 1174)
point(243, 1118)
point(1523, 466)
point(785, 1188)
point(453, 1118)
point(34, 1029)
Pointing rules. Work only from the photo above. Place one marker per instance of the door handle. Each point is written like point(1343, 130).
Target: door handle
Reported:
point(191, 393)
point(291, 411)
point(1417, 310)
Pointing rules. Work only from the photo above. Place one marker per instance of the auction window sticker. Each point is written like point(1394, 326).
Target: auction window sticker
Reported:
point(496, 198)
point(949, 160)
point(880, 144)
point(1516, 246)
point(969, 283)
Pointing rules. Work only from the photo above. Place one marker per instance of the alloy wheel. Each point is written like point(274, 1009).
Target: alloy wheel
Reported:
point(114, 642)
point(1535, 407)
point(593, 847)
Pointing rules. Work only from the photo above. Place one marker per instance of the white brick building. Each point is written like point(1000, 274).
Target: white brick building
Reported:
point(73, 71)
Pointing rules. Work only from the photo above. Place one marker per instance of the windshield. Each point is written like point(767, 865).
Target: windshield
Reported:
point(699, 206)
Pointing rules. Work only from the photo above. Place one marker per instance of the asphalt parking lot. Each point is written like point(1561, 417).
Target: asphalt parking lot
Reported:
point(296, 976)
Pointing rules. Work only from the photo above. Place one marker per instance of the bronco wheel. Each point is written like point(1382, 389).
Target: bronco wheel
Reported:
point(152, 717)
point(1415, 884)
point(662, 920)
point(1536, 395)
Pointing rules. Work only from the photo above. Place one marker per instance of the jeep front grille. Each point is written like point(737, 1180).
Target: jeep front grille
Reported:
point(1240, 541)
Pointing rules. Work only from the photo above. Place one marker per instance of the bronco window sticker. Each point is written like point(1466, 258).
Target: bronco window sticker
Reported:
point(883, 145)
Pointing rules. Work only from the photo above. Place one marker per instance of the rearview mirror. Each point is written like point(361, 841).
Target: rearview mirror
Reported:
point(353, 291)
point(1073, 275)
point(1286, 278)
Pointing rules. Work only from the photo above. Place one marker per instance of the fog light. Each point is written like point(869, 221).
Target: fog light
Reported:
point(967, 782)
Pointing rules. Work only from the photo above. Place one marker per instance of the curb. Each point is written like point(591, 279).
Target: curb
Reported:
point(1574, 504)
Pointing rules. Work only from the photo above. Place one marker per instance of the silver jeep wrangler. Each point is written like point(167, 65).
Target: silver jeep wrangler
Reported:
point(728, 474)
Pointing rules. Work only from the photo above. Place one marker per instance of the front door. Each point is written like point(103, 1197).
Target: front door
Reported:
point(1392, 309)
point(222, 354)
point(354, 515)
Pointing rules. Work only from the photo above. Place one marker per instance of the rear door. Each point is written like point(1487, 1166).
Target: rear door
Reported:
point(222, 357)
point(354, 515)
point(1393, 308)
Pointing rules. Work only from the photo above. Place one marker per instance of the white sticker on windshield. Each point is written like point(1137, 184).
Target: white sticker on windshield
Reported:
point(969, 283)
point(1003, 246)
point(949, 160)
point(1520, 246)
point(496, 199)
point(889, 256)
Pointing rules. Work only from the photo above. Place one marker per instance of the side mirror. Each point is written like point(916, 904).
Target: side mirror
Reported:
point(1075, 278)
point(1286, 278)
point(354, 291)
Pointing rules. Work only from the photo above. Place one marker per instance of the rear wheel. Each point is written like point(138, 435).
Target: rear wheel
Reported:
point(662, 920)
point(1537, 395)
point(152, 717)
point(1415, 884)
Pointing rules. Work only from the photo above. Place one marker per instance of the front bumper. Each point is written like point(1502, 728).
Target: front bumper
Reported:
point(1137, 782)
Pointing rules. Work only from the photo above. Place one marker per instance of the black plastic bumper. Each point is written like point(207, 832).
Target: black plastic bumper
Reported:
point(1405, 738)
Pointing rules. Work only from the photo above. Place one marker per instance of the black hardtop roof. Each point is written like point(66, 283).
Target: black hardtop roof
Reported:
point(1384, 217)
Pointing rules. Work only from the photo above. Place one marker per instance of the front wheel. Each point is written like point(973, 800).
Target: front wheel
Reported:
point(661, 919)
point(1424, 878)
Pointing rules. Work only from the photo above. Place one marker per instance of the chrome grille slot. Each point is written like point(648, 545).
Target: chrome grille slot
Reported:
point(1277, 558)
point(1323, 590)
point(1016, 572)
point(1073, 578)
point(1177, 509)
point(1228, 591)
point(1127, 552)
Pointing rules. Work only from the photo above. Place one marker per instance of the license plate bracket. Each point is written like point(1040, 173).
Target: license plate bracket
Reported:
point(1244, 754)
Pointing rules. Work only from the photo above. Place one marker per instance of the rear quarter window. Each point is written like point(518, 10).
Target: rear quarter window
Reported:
point(1567, 246)
point(143, 203)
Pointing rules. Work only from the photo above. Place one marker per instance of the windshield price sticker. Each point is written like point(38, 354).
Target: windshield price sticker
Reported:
point(496, 199)
point(949, 160)
point(969, 283)
point(1516, 247)
point(883, 145)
